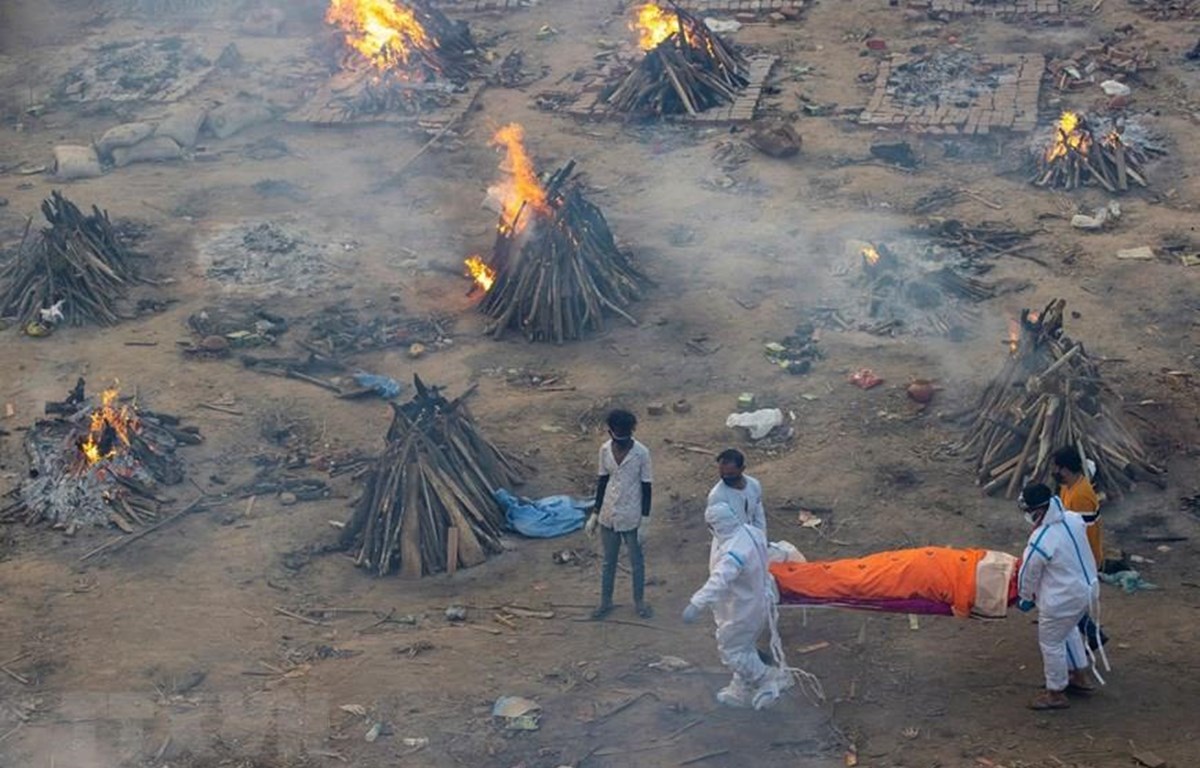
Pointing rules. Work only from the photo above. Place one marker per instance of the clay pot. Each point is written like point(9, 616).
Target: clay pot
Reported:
point(922, 390)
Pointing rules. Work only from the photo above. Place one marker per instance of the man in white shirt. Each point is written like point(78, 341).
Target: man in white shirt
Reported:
point(622, 503)
point(739, 490)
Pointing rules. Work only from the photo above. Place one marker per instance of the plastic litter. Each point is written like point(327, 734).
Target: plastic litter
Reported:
point(1130, 581)
point(384, 386)
point(759, 423)
point(518, 713)
point(543, 518)
point(1115, 88)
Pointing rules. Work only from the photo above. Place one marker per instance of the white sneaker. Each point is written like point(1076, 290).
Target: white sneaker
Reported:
point(773, 684)
point(736, 694)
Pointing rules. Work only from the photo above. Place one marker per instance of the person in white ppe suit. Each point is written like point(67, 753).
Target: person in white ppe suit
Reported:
point(741, 593)
point(1058, 576)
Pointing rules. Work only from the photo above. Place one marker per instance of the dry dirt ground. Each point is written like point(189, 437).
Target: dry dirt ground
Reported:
point(109, 652)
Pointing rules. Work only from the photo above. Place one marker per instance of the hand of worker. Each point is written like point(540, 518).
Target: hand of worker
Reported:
point(641, 535)
point(1025, 606)
point(691, 613)
point(590, 526)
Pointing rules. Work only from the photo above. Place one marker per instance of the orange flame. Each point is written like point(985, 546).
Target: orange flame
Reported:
point(522, 189)
point(383, 31)
point(653, 25)
point(117, 422)
point(483, 275)
point(1069, 134)
point(870, 255)
point(1014, 336)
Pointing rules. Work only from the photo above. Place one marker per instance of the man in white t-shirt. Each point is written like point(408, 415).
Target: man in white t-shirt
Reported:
point(739, 490)
point(623, 503)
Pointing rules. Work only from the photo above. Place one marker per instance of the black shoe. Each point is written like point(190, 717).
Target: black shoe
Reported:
point(645, 611)
point(601, 612)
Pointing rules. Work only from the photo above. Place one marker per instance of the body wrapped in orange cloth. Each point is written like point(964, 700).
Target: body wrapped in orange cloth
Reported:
point(976, 583)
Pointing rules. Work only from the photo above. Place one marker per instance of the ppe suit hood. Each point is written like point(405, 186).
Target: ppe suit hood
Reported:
point(1054, 514)
point(724, 521)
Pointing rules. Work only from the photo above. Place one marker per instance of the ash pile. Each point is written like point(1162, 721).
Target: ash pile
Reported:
point(1050, 393)
point(268, 253)
point(912, 287)
point(685, 68)
point(945, 78)
point(99, 462)
point(555, 270)
point(1081, 150)
point(397, 56)
point(158, 70)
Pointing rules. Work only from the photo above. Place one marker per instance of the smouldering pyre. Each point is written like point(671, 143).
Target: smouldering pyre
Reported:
point(100, 461)
point(686, 68)
point(1080, 151)
point(555, 269)
point(409, 55)
point(1050, 393)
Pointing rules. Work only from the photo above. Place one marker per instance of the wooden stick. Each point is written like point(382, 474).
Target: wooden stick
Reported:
point(119, 543)
point(452, 550)
point(285, 612)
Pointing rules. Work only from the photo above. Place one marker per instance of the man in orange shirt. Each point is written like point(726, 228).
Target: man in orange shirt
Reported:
point(1077, 495)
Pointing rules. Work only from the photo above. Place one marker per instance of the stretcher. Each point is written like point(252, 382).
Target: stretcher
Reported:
point(967, 583)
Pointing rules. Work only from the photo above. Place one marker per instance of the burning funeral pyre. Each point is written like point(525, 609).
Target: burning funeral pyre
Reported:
point(406, 56)
point(686, 68)
point(555, 269)
point(911, 287)
point(74, 270)
point(1050, 394)
point(99, 461)
point(1079, 151)
point(429, 505)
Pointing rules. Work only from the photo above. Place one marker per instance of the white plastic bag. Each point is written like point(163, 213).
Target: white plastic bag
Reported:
point(759, 423)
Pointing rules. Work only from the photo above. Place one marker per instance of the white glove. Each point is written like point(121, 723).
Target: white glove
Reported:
point(641, 535)
point(691, 613)
point(590, 526)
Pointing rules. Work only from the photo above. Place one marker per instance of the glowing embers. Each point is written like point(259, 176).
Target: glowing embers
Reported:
point(99, 462)
point(1079, 151)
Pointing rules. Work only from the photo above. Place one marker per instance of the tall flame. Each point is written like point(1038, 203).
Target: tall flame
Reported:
point(870, 255)
point(1069, 134)
point(521, 193)
point(483, 274)
point(1014, 336)
point(653, 25)
point(383, 31)
point(109, 428)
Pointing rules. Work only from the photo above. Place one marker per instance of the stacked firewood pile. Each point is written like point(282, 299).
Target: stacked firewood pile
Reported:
point(1079, 152)
point(429, 505)
point(76, 266)
point(1050, 394)
point(690, 70)
point(99, 461)
point(557, 274)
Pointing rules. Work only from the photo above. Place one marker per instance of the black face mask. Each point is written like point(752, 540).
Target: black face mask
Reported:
point(732, 482)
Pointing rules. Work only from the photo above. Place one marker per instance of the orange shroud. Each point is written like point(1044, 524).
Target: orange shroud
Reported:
point(937, 574)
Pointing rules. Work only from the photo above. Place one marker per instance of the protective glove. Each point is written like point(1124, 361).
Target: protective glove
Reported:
point(590, 526)
point(691, 613)
point(641, 535)
point(1025, 606)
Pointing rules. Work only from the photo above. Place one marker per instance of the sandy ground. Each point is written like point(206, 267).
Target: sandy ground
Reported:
point(115, 646)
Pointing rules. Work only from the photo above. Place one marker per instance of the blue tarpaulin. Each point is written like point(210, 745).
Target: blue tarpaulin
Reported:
point(544, 518)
